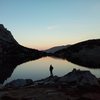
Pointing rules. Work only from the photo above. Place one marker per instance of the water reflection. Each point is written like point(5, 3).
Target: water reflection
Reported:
point(39, 69)
point(8, 65)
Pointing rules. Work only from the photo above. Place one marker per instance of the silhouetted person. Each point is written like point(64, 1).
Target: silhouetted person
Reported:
point(51, 70)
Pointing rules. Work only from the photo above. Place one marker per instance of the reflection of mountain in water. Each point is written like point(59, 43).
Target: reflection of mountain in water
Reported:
point(7, 67)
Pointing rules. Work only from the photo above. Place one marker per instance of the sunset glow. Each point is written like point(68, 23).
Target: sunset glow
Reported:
point(42, 24)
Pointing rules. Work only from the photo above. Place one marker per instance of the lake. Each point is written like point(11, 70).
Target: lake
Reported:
point(38, 69)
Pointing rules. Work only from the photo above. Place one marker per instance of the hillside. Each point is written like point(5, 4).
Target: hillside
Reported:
point(10, 47)
point(86, 53)
point(55, 49)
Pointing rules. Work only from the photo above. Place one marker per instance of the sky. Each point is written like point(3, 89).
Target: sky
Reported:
point(42, 24)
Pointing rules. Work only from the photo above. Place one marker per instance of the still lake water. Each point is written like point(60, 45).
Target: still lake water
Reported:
point(38, 69)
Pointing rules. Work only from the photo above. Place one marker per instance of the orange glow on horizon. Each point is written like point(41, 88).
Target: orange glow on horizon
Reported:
point(47, 45)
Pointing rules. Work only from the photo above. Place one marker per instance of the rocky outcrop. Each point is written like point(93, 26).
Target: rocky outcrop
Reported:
point(49, 81)
point(80, 78)
point(75, 78)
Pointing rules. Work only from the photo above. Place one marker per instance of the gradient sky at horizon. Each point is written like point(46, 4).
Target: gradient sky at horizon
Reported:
point(42, 24)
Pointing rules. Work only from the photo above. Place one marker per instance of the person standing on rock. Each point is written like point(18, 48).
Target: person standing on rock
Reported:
point(51, 70)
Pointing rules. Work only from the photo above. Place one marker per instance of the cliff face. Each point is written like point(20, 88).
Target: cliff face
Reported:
point(6, 36)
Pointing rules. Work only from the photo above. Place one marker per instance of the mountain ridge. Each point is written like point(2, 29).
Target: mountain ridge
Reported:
point(56, 48)
point(10, 47)
point(84, 53)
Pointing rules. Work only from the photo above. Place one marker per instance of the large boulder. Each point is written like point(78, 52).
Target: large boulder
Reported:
point(80, 78)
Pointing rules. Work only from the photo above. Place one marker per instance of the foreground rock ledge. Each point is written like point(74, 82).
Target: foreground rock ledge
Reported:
point(74, 78)
point(76, 85)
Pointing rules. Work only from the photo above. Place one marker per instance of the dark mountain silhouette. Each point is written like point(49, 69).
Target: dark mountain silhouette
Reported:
point(55, 49)
point(10, 47)
point(86, 53)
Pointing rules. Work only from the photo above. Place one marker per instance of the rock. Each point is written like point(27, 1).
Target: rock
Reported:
point(27, 98)
point(1, 86)
point(49, 81)
point(2, 93)
point(80, 78)
point(5, 97)
point(84, 98)
point(29, 81)
point(19, 83)
point(37, 83)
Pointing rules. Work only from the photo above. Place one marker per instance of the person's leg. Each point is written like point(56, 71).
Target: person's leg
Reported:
point(51, 73)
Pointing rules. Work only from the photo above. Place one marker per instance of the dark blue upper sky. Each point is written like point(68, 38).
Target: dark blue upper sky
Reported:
point(45, 23)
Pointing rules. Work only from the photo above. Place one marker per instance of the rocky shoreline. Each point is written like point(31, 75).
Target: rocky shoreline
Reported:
point(76, 85)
